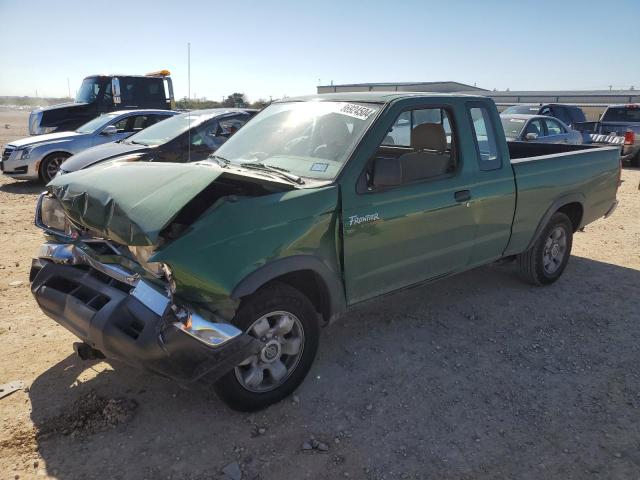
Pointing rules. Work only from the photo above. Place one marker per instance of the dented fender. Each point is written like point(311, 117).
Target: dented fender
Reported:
point(238, 238)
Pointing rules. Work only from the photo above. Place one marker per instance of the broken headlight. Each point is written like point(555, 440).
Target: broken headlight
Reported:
point(51, 216)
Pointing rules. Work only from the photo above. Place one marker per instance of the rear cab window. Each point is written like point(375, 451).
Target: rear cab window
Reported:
point(622, 114)
point(485, 137)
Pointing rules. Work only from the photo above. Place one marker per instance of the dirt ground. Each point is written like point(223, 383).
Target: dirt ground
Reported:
point(475, 377)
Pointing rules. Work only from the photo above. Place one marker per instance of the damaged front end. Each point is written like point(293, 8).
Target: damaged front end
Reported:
point(142, 261)
point(116, 302)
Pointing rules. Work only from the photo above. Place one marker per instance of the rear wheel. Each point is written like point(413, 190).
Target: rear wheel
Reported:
point(50, 165)
point(286, 322)
point(547, 258)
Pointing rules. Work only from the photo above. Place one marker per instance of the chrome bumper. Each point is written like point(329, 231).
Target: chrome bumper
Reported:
point(213, 334)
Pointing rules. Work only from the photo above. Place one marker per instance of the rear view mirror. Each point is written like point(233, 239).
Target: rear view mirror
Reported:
point(109, 130)
point(387, 172)
point(531, 136)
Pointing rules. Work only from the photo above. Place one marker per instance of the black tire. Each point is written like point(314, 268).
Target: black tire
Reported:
point(531, 263)
point(50, 165)
point(275, 297)
point(635, 161)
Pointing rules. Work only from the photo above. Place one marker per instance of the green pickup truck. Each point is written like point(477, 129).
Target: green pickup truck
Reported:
point(221, 272)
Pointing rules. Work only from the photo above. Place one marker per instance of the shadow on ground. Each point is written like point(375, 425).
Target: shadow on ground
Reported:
point(21, 187)
point(476, 376)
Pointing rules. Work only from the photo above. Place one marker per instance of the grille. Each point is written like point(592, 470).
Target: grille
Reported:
point(7, 153)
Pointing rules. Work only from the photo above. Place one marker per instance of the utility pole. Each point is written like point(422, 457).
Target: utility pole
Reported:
point(68, 88)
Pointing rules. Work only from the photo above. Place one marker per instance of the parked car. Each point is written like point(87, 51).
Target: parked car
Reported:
point(100, 94)
point(187, 137)
point(569, 114)
point(40, 157)
point(538, 128)
point(618, 125)
point(224, 270)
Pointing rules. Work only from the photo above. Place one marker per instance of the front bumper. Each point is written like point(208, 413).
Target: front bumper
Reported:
point(107, 314)
point(17, 168)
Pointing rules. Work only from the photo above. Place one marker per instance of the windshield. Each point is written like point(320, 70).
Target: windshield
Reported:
point(167, 130)
point(88, 90)
point(308, 139)
point(97, 123)
point(523, 109)
point(622, 114)
point(512, 126)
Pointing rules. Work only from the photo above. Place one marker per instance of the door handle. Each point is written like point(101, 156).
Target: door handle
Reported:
point(462, 196)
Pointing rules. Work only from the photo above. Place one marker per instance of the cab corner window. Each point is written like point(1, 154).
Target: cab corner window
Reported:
point(485, 137)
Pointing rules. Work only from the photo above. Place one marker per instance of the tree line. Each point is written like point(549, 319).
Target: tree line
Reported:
point(235, 100)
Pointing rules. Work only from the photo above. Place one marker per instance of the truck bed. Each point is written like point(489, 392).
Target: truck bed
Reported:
point(552, 174)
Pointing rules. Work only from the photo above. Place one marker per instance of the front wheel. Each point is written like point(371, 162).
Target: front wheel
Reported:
point(286, 322)
point(50, 166)
point(546, 259)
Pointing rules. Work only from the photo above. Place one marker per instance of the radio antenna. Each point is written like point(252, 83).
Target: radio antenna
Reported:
point(189, 99)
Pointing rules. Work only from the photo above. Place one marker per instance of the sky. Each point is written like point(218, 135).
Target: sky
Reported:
point(285, 48)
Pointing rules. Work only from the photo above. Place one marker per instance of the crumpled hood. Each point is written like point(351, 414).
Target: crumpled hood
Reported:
point(131, 203)
point(100, 153)
point(48, 138)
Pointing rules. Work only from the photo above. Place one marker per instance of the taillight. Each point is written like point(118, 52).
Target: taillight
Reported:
point(629, 137)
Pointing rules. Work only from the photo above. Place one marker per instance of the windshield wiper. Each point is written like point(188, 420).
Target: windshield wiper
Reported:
point(281, 172)
point(223, 162)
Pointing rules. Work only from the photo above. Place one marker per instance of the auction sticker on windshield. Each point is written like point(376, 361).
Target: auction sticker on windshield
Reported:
point(355, 111)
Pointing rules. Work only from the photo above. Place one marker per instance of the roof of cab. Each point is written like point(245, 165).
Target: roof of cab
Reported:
point(373, 97)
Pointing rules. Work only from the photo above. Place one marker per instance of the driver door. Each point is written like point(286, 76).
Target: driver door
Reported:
point(417, 230)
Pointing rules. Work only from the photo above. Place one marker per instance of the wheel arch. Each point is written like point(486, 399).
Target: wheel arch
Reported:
point(571, 205)
point(44, 158)
point(306, 273)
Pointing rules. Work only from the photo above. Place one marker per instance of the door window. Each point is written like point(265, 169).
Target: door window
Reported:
point(534, 126)
point(122, 125)
point(421, 140)
point(230, 125)
point(134, 123)
point(553, 127)
point(400, 133)
point(485, 137)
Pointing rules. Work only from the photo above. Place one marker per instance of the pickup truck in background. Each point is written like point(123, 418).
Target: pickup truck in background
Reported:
point(618, 125)
point(222, 272)
point(100, 94)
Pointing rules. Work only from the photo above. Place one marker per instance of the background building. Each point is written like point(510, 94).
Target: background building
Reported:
point(593, 102)
point(440, 87)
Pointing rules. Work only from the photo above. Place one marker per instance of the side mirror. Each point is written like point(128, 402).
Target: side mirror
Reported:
point(387, 172)
point(109, 130)
point(115, 90)
point(531, 136)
